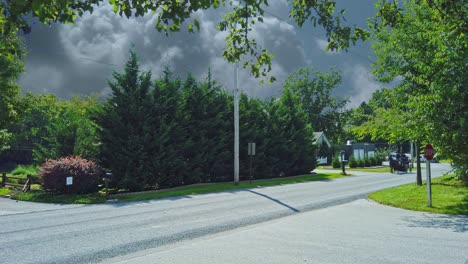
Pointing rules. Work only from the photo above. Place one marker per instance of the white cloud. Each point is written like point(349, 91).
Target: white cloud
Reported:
point(322, 45)
point(363, 84)
point(55, 80)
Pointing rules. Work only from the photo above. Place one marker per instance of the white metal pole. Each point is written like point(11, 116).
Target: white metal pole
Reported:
point(428, 183)
point(236, 128)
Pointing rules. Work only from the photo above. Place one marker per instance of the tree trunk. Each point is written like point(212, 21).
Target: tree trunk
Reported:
point(418, 166)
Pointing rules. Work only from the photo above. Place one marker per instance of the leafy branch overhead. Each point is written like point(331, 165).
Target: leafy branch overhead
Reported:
point(238, 21)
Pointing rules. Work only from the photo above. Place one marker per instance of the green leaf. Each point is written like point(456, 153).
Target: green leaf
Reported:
point(196, 23)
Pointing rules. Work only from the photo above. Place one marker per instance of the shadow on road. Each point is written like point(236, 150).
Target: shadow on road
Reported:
point(456, 223)
point(275, 200)
point(129, 203)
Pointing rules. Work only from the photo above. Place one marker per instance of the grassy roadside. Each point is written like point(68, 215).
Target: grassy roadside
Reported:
point(43, 197)
point(40, 196)
point(219, 187)
point(449, 196)
point(4, 191)
point(366, 169)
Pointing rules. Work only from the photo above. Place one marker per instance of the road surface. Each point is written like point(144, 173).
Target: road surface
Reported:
point(40, 233)
point(361, 232)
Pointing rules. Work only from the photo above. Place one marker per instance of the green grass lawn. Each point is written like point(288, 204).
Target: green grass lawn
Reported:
point(449, 196)
point(366, 169)
point(219, 187)
point(379, 169)
point(4, 191)
point(41, 196)
point(21, 171)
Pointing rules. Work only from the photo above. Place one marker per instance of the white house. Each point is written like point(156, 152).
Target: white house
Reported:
point(321, 139)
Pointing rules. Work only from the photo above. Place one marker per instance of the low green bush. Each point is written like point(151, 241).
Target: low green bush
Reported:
point(360, 163)
point(377, 162)
point(26, 170)
point(352, 162)
point(367, 162)
point(336, 162)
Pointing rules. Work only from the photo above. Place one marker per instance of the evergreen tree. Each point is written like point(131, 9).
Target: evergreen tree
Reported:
point(124, 125)
point(292, 136)
point(208, 131)
point(253, 119)
point(167, 133)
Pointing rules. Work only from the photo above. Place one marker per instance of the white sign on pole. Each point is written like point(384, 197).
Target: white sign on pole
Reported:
point(251, 149)
point(69, 180)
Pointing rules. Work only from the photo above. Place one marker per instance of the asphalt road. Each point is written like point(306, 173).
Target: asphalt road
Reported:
point(361, 232)
point(38, 233)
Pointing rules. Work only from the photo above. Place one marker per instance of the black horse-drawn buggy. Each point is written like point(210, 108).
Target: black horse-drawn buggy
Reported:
point(399, 163)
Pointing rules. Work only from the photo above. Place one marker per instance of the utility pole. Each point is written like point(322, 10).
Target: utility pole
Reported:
point(428, 183)
point(236, 128)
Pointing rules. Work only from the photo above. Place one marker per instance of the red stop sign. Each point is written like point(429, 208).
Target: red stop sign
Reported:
point(428, 152)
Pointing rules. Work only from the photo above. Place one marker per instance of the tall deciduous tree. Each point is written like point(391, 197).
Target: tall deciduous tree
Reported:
point(11, 65)
point(69, 131)
point(30, 130)
point(426, 45)
point(324, 111)
point(396, 118)
point(48, 128)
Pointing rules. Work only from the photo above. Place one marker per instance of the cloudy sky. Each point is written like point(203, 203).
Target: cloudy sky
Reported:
point(78, 59)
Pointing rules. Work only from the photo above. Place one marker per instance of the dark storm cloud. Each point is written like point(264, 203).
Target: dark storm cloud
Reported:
point(355, 64)
point(79, 59)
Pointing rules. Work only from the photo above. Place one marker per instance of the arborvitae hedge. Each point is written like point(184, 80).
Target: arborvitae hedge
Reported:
point(170, 132)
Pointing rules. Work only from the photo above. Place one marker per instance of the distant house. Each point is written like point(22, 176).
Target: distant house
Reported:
point(320, 141)
point(359, 150)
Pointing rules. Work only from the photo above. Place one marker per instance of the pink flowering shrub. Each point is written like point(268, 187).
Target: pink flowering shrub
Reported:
point(86, 175)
